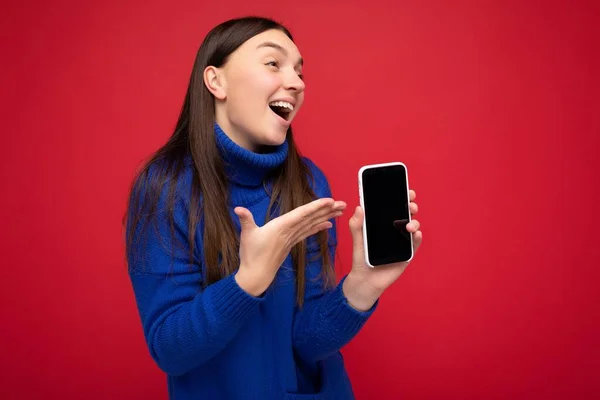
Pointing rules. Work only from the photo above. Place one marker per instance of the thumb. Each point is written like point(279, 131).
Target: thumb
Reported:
point(246, 218)
point(356, 229)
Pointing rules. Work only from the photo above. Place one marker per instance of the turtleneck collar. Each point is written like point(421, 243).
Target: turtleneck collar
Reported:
point(245, 169)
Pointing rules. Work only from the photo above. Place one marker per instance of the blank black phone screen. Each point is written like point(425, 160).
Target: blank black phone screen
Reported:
point(386, 208)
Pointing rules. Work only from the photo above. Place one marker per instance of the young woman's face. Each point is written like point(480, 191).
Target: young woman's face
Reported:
point(259, 90)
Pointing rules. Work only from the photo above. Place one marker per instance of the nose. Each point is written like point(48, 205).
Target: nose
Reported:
point(293, 82)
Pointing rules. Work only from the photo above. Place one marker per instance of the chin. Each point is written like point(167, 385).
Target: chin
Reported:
point(274, 138)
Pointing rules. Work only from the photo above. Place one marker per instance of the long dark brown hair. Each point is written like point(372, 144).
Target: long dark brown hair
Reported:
point(194, 139)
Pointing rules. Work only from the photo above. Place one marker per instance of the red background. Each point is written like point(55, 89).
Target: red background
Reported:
point(493, 105)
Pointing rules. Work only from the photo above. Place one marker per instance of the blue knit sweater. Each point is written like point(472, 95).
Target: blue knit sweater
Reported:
point(222, 343)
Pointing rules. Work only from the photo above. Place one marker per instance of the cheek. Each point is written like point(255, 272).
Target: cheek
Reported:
point(251, 89)
point(264, 83)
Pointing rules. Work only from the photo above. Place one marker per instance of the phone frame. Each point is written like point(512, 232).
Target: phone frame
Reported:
point(361, 196)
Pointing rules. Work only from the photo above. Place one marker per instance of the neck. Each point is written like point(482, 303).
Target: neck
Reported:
point(233, 134)
point(246, 169)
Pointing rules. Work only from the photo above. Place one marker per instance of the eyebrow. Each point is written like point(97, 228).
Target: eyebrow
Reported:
point(280, 48)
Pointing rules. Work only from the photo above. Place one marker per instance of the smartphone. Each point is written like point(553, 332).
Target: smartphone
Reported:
point(384, 198)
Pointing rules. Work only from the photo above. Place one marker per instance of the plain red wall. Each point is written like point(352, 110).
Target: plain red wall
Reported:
point(493, 105)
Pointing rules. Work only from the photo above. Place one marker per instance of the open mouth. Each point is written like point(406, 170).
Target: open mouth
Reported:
point(282, 108)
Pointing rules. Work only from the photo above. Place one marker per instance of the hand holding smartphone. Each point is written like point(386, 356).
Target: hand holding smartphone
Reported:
point(384, 198)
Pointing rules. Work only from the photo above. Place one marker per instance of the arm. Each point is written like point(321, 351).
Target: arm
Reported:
point(327, 321)
point(184, 325)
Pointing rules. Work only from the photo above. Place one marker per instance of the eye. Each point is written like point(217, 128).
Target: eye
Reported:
point(273, 64)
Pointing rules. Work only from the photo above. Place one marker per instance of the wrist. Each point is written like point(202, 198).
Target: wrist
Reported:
point(253, 284)
point(359, 295)
point(249, 283)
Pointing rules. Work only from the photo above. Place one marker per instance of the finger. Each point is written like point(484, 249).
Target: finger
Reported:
point(327, 213)
point(414, 208)
point(412, 195)
point(413, 226)
point(245, 216)
point(303, 214)
point(313, 231)
point(400, 224)
point(417, 240)
point(303, 233)
point(317, 215)
point(341, 205)
point(356, 226)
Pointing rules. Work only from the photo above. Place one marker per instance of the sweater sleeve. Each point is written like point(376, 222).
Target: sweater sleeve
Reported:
point(184, 324)
point(326, 322)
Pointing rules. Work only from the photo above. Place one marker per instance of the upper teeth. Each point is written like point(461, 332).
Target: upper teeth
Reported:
point(282, 104)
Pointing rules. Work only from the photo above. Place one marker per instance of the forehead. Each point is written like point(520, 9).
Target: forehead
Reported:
point(271, 39)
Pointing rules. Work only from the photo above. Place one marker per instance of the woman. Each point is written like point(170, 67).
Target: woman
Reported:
point(231, 236)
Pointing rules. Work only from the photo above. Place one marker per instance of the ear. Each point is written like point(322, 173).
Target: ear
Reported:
point(215, 82)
